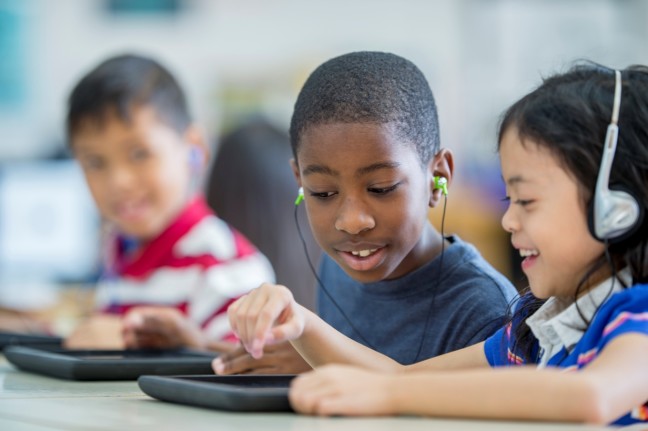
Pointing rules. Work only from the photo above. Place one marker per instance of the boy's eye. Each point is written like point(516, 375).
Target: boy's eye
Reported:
point(139, 154)
point(322, 195)
point(383, 190)
point(93, 163)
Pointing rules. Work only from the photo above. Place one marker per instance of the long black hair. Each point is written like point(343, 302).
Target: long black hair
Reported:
point(568, 114)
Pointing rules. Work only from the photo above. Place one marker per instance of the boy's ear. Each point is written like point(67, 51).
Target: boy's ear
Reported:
point(441, 165)
point(295, 169)
point(195, 136)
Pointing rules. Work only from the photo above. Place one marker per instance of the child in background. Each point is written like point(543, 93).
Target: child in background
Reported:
point(365, 142)
point(166, 253)
point(576, 347)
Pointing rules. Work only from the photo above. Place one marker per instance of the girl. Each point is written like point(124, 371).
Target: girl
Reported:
point(576, 347)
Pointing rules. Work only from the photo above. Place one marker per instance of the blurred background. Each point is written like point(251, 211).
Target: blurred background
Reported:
point(247, 59)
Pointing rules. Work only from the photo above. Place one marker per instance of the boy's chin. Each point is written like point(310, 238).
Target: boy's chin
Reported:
point(141, 233)
point(365, 277)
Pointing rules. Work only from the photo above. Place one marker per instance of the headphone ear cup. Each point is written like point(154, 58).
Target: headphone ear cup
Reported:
point(615, 216)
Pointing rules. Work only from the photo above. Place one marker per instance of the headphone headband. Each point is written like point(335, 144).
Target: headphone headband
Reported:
point(615, 213)
point(616, 106)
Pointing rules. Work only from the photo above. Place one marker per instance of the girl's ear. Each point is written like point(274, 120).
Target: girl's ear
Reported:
point(441, 165)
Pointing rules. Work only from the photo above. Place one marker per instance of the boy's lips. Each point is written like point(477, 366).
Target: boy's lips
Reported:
point(363, 257)
point(131, 211)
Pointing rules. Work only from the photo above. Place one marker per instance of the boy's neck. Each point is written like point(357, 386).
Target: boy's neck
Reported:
point(429, 246)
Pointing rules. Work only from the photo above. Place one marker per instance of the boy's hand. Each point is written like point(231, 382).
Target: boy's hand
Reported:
point(280, 358)
point(160, 328)
point(343, 390)
point(21, 322)
point(266, 315)
point(102, 331)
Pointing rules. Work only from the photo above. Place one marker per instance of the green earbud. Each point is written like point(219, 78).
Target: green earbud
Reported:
point(300, 196)
point(441, 183)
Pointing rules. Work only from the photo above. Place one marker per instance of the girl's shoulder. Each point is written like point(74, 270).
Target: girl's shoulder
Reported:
point(624, 311)
point(634, 298)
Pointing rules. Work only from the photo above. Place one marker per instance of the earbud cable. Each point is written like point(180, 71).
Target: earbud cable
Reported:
point(324, 289)
point(438, 281)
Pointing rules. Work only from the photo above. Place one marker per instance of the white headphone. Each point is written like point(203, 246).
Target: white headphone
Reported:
point(615, 213)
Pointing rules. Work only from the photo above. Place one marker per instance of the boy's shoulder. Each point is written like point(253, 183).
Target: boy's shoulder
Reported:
point(213, 236)
point(208, 235)
point(465, 268)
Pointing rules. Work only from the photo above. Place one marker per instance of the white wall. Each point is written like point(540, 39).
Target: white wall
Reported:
point(479, 55)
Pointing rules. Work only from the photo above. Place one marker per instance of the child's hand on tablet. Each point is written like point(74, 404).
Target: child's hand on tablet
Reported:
point(101, 331)
point(160, 328)
point(266, 315)
point(279, 358)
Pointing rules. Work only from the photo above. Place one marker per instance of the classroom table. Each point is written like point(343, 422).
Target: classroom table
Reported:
point(30, 402)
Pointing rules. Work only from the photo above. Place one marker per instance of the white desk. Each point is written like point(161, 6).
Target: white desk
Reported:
point(29, 402)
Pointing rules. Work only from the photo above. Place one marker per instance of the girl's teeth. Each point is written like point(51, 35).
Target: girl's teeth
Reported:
point(364, 253)
point(526, 253)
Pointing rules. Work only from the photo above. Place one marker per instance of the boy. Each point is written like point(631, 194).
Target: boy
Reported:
point(166, 253)
point(365, 141)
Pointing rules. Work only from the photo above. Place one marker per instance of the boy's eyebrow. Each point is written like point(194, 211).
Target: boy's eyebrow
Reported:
point(377, 166)
point(319, 169)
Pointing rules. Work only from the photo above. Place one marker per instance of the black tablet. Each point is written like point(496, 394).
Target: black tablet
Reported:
point(108, 364)
point(16, 338)
point(244, 393)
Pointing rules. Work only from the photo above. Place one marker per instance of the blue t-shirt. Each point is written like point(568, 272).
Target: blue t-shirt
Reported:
point(623, 312)
point(466, 300)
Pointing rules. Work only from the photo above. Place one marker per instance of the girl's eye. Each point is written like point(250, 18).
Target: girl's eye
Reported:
point(322, 195)
point(383, 190)
point(523, 202)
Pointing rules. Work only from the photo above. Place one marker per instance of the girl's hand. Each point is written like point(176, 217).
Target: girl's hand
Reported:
point(343, 390)
point(266, 315)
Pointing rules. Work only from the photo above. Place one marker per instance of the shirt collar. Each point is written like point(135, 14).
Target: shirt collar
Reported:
point(561, 323)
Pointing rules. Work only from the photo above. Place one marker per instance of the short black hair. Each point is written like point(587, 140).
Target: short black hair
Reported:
point(369, 87)
point(121, 83)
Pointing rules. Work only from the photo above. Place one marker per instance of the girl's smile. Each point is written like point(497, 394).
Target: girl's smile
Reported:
point(546, 218)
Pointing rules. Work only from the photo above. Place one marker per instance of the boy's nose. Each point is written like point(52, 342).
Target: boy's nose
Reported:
point(353, 218)
point(122, 178)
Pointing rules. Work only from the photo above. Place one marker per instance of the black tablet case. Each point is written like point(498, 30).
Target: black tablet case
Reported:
point(242, 393)
point(16, 338)
point(107, 364)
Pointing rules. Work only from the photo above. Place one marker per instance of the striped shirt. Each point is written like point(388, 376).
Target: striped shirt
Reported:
point(623, 312)
point(198, 264)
